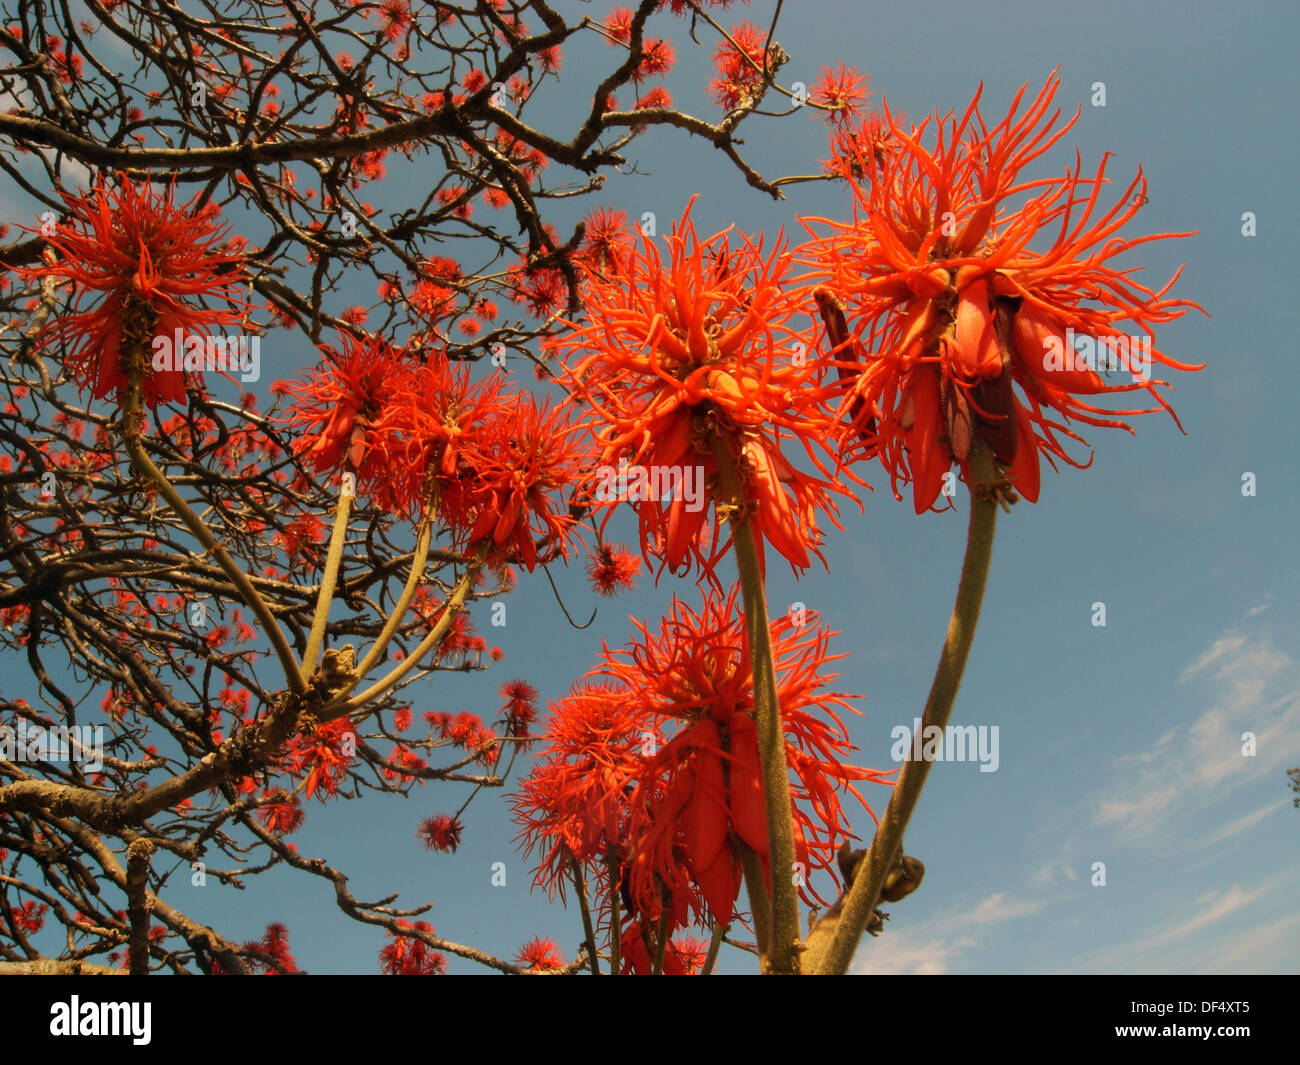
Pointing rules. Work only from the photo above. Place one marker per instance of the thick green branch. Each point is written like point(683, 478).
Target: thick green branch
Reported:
point(886, 845)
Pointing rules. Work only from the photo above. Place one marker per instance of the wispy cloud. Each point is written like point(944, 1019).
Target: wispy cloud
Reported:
point(1238, 828)
point(1253, 687)
point(1204, 935)
point(945, 940)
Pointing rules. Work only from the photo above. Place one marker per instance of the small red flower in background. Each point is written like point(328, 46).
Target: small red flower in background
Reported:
point(612, 569)
point(520, 707)
point(840, 91)
point(281, 818)
point(29, 917)
point(408, 955)
point(951, 309)
point(540, 955)
point(275, 944)
point(153, 261)
point(441, 833)
point(322, 756)
point(684, 955)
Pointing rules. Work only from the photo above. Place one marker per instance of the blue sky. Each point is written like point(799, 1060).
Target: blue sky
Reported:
point(1119, 745)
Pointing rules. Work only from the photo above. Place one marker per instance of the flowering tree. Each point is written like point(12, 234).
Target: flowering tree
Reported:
point(246, 597)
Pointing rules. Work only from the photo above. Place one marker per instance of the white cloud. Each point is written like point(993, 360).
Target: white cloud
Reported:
point(1189, 769)
point(1202, 935)
point(945, 939)
point(1242, 825)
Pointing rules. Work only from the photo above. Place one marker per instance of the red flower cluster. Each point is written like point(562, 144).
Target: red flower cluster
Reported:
point(152, 261)
point(494, 462)
point(953, 309)
point(408, 955)
point(441, 833)
point(656, 760)
point(671, 360)
point(540, 955)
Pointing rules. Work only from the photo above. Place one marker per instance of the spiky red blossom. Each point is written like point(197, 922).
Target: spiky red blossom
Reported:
point(322, 756)
point(275, 945)
point(840, 91)
point(606, 240)
point(513, 496)
point(618, 24)
point(441, 833)
point(944, 309)
point(29, 917)
point(684, 955)
point(702, 789)
point(673, 357)
point(540, 955)
point(573, 805)
point(408, 955)
point(739, 65)
point(153, 261)
point(520, 706)
point(496, 465)
point(344, 409)
point(612, 569)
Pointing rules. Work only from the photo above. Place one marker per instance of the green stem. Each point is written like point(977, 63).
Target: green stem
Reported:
point(715, 944)
point(887, 843)
point(326, 596)
point(661, 941)
point(340, 706)
point(131, 436)
point(783, 957)
point(760, 902)
point(615, 915)
point(423, 537)
point(580, 886)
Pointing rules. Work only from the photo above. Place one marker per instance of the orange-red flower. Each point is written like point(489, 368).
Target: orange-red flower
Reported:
point(574, 804)
point(540, 955)
point(152, 261)
point(612, 569)
point(344, 410)
point(948, 308)
point(702, 789)
point(408, 955)
point(673, 357)
point(496, 464)
point(441, 832)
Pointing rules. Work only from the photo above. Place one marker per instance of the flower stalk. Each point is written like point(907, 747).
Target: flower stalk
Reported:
point(782, 955)
point(328, 580)
point(886, 845)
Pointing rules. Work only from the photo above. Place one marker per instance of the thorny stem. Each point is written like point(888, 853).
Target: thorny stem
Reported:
point(887, 843)
point(131, 436)
point(782, 954)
